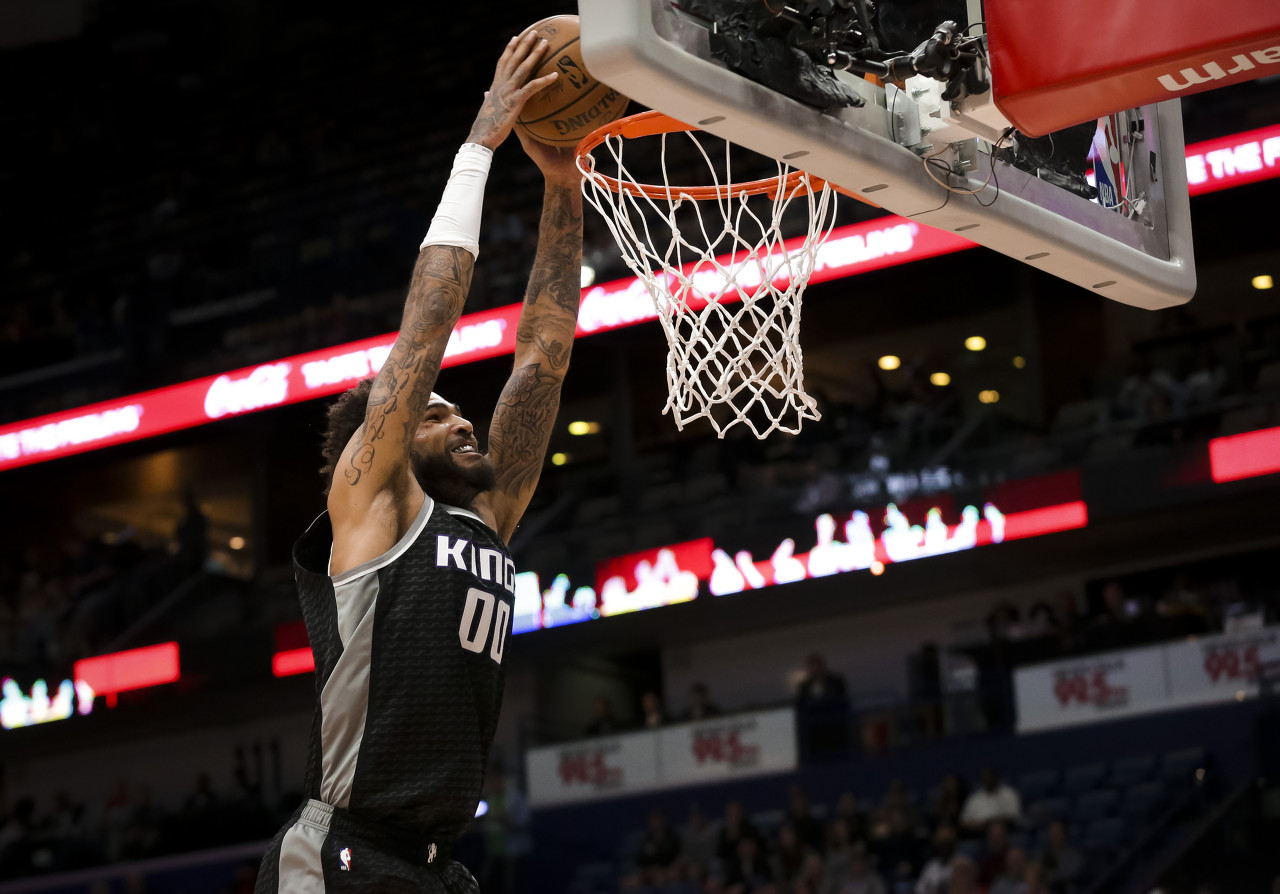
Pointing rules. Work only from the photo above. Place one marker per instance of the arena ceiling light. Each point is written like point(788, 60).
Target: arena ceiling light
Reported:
point(975, 343)
point(1019, 362)
point(940, 379)
point(559, 459)
point(582, 427)
point(236, 543)
point(1263, 281)
point(889, 361)
point(989, 396)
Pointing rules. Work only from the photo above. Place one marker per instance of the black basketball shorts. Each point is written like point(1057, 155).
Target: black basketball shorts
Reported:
point(319, 852)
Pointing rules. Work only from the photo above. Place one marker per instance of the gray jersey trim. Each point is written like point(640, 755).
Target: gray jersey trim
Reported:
point(424, 514)
point(344, 701)
point(458, 510)
point(301, 870)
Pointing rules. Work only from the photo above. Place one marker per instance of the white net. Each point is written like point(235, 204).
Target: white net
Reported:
point(725, 280)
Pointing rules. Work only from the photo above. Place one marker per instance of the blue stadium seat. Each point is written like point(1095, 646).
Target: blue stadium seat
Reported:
point(1096, 805)
point(1034, 786)
point(1180, 765)
point(1106, 834)
point(1132, 770)
point(768, 821)
point(971, 848)
point(630, 847)
point(1078, 780)
point(1047, 809)
point(595, 878)
point(1143, 800)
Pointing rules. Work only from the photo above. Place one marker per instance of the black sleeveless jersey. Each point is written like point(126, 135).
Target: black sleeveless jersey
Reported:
point(408, 651)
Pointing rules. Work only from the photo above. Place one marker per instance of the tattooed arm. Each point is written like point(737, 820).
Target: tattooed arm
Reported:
point(526, 411)
point(374, 491)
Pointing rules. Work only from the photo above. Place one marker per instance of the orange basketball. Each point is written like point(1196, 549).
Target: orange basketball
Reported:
point(576, 103)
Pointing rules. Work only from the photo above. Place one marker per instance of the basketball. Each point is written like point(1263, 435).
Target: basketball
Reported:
point(576, 103)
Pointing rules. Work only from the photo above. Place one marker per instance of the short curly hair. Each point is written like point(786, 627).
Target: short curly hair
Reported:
point(346, 414)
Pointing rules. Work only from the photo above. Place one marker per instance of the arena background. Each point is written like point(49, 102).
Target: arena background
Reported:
point(202, 192)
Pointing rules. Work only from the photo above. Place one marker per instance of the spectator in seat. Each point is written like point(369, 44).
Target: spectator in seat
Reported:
point(736, 827)
point(698, 843)
point(800, 815)
point(1117, 608)
point(1181, 600)
point(899, 844)
point(651, 711)
point(791, 856)
point(936, 874)
point(861, 878)
point(812, 875)
point(839, 856)
point(993, 801)
point(656, 861)
point(895, 798)
point(964, 877)
point(1037, 879)
point(1068, 622)
point(822, 707)
point(602, 720)
point(700, 705)
point(748, 871)
point(1063, 862)
point(820, 687)
point(1014, 878)
point(997, 853)
point(192, 535)
point(847, 810)
point(952, 794)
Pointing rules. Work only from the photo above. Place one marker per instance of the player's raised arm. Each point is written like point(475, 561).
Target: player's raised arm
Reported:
point(526, 411)
point(377, 459)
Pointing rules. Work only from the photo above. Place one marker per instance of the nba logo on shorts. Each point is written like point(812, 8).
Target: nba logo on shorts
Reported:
point(344, 857)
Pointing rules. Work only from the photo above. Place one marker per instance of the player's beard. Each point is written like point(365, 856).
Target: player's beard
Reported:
point(448, 481)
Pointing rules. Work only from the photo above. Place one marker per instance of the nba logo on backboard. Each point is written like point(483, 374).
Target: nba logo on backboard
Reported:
point(344, 857)
point(1106, 168)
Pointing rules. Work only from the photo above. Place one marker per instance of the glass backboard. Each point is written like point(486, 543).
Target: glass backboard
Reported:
point(920, 156)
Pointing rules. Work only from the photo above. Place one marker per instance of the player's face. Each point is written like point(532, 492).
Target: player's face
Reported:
point(446, 456)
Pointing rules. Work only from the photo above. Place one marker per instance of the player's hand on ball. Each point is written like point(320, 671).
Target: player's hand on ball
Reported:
point(510, 89)
point(559, 164)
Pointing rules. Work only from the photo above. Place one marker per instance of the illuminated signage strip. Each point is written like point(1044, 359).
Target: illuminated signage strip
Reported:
point(135, 669)
point(1249, 455)
point(850, 250)
point(293, 661)
point(1234, 160)
point(872, 245)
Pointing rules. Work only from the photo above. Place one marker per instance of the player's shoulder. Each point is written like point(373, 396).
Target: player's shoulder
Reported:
point(377, 530)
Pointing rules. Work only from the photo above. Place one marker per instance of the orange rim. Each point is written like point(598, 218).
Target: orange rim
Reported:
point(651, 124)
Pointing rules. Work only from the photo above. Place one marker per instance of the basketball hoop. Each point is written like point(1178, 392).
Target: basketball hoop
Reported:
point(699, 250)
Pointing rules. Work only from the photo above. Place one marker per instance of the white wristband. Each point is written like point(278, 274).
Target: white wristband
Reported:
point(457, 220)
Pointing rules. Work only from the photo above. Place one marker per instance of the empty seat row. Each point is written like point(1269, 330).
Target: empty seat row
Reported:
point(1176, 766)
point(1138, 802)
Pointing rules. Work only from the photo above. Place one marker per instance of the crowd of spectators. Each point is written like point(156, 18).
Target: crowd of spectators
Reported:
point(953, 841)
point(130, 824)
point(67, 599)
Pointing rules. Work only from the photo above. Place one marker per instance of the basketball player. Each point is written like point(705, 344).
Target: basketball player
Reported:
point(406, 584)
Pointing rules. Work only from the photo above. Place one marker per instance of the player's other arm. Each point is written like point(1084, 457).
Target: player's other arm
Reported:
point(376, 463)
point(526, 411)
